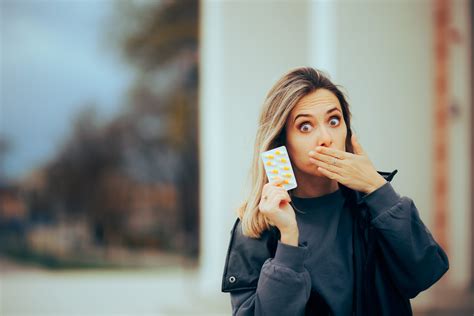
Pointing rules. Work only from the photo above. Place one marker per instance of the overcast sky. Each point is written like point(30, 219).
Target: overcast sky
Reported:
point(54, 60)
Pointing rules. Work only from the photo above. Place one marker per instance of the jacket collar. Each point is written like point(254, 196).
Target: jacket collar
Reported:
point(388, 175)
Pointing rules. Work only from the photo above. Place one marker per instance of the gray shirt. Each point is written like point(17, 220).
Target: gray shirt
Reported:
point(320, 267)
point(326, 227)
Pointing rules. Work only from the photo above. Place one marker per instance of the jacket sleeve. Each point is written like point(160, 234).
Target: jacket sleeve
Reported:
point(279, 286)
point(413, 258)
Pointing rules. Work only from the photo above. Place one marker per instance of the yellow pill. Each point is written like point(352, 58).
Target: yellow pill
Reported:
point(269, 163)
point(283, 160)
point(286, 181)
point(278, 152)
point(270, 156)
point(275, 171)
point(287, 175)
point(285, 168)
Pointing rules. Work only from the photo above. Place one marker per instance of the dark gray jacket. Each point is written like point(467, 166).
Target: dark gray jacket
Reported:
point(395, 258)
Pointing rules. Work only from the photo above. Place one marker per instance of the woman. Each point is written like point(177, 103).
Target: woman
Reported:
point(343, 242)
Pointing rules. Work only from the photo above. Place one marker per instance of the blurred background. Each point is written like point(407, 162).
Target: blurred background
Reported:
point(127, 131)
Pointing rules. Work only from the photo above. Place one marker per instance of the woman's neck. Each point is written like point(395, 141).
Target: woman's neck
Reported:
point(314, 186)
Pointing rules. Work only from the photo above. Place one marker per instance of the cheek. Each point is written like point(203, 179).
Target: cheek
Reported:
point(339, 135)
point(299, 155)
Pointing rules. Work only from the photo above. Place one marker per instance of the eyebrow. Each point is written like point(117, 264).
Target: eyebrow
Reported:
point(327, 112)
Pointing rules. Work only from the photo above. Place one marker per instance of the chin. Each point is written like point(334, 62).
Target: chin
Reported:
point(313, 170)
point(318, 173)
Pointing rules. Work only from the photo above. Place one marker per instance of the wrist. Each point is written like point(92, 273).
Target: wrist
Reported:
point(377, 184)
point(290, 236)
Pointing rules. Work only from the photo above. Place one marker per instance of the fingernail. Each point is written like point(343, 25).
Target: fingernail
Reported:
point(311, 152)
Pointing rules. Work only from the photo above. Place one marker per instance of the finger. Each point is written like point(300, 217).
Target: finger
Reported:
point(266, 194)
point(274, 202)
point(276, 199)
point(325, 158)
point(334, 168)
point(333, 152)
point(274, 182)
point(270, 192)
point(357, 146)
point(277, 196)
point(329, 174)
point(285, 196)
point(265, 207)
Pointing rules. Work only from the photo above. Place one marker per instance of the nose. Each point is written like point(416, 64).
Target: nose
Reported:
point(325, 138)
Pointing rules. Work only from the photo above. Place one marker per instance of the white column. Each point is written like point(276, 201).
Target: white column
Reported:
point(322, 37)
point(213, 183)
point(245, 47)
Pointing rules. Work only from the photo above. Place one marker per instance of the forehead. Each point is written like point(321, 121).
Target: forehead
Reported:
point(317, 101)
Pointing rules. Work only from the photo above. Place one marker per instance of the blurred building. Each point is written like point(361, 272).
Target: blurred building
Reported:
point(407, 69)
point(12, 207)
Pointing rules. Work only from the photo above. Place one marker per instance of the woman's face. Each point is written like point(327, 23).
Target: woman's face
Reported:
point(316, 120)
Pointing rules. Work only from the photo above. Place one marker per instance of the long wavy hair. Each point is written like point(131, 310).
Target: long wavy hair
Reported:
point(278, 104)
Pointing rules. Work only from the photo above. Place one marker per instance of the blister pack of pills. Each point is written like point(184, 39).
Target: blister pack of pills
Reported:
point(277, 165)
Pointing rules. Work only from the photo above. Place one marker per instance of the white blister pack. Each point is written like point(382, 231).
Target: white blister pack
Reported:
point(277, 165)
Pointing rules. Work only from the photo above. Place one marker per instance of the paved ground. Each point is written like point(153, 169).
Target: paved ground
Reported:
point(26, 291)
point(168, 291)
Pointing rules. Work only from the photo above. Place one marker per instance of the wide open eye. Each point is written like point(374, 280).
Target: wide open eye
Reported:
point(336, 119)
point(305, 127)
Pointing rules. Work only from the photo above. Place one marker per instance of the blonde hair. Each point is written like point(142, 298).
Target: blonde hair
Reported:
point(278, 104)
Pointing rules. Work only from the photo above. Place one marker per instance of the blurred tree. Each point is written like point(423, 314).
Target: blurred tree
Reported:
point(75, 175)
point(154, 34)
point(116, 172)
point(5, 147)
point(160, 39)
